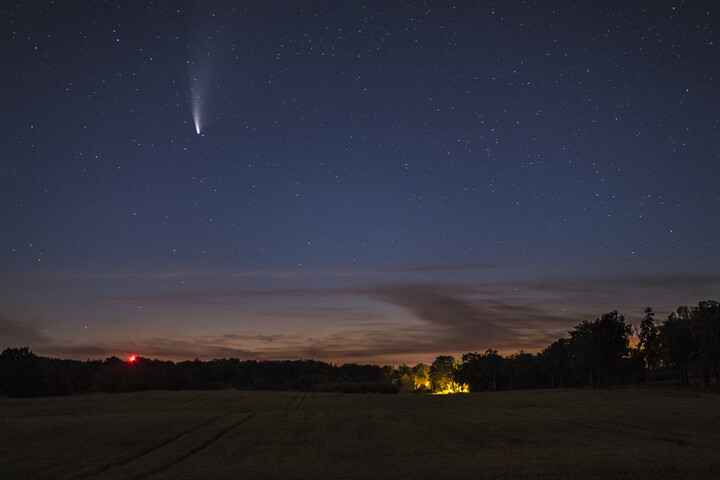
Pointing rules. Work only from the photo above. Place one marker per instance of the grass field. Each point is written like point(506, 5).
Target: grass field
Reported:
point(624, 433)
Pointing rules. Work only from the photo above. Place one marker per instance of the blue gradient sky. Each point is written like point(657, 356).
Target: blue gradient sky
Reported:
point(374, 182)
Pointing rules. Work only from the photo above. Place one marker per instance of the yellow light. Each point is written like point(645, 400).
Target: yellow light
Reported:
point(454, 388)
point(420, 385)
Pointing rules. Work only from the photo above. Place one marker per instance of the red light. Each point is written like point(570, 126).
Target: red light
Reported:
point(132, 358)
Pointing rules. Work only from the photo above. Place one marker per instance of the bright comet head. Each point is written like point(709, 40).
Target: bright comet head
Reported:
point(196, 118)
point(196, 104)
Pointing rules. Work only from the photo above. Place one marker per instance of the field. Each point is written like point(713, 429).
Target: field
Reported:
point(623, 433)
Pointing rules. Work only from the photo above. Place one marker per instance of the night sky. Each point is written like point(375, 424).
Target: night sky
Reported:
point(373, 182)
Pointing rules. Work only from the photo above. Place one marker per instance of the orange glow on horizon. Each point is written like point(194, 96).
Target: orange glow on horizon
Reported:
point(132, 358)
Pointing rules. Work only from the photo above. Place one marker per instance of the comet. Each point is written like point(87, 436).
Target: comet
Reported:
point(201, 74)
point(196, 105)
point(196, 119)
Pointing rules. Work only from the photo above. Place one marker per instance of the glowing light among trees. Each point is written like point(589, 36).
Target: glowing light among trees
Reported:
point(454, 388)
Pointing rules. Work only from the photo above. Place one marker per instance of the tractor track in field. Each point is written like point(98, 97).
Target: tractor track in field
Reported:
point(287, 407)
point(194, 401)
point(304, 396)
point(199, 447)
point(385, 398)
point(150, 450)
point(301, 396)
point(134, 467)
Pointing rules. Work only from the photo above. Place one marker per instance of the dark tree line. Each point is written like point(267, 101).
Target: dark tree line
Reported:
point(683, 350)
point(24, 374)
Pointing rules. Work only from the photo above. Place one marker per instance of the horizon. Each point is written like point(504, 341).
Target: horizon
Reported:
point(132, 355)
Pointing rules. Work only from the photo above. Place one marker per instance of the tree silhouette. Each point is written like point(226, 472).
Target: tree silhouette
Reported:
point(556, 364)
point(21, 374)
point(675, 340)
point(598, 348)
point(523, 370)
point(483, 371)
point(705, 329)
point(442, 373)
point(648, 342)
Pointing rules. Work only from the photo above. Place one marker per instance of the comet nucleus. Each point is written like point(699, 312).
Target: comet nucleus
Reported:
point(196, 109)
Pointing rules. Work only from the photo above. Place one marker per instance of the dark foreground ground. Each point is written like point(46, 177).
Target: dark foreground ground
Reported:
point(626, 433)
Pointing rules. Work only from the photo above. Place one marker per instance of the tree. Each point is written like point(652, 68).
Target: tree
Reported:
point(421, 377)
point(598, 347)
point(522, 370)
point(402, 370)
point(556, 364)
point(705, 332)
point(648, 342)
point(402, 377)
point(21, 373)
point(675, 343)
point(483, 371)
point(442, 373)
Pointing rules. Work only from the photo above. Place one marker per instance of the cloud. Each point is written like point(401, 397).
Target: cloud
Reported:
point(527, 314)
point(461, 318)
point(635, 291)
point(20, 333)
point(353, 320)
